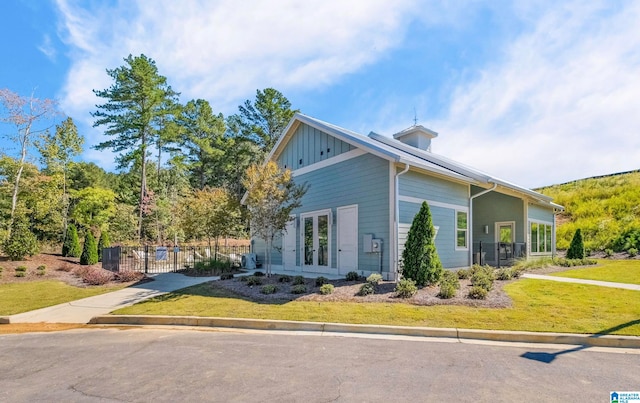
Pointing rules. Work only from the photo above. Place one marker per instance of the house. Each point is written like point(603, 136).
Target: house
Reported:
point(365, 190)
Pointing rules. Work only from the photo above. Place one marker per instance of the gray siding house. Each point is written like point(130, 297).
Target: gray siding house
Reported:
point(364, 192)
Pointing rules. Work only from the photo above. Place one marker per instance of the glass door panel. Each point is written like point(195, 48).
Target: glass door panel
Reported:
point(308, 241)
point(323, 240)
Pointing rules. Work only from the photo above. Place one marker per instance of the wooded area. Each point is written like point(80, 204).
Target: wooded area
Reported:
point(180, 167)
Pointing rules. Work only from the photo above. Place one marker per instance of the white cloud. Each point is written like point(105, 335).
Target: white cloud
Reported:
point(224, 50)
point(47, 48)
point(562, 104)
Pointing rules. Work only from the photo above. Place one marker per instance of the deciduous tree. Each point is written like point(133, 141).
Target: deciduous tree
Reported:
point(271, 196)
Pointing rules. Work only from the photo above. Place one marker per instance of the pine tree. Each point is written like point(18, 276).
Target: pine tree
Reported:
point(576, 248)
point(420, 258)
point(22, 242)
point(103, 242)
point(89, 250)
point(71, 246)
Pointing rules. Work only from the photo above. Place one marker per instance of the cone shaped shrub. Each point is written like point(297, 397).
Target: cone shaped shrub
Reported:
point(103, 242)
point(420, 259)
point(90, 250)
point(576, 248)
point(71, 246)
point(22, 242)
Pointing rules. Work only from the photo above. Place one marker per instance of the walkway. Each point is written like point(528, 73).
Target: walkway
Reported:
point(634, 287)
point(82, 310)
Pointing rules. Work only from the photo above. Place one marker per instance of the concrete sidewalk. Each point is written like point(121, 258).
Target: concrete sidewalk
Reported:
point(634, 287)
point(82, 310)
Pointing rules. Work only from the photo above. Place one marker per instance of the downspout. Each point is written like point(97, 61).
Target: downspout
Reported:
point(470, 224)
point(397, 219)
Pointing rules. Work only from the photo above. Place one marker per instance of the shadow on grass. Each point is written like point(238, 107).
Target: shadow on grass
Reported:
point(548, 358)
point(210, 289)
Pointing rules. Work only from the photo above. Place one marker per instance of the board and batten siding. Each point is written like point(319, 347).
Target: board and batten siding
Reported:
point(310, 145)
point(444, 199)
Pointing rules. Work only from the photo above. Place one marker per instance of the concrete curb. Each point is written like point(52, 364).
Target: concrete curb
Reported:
point(5, 320)
point(590, 340)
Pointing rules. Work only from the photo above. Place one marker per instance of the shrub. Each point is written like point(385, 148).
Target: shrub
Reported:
point(129, 275)
point(482, 276)
point(326, 289)
point(1, 269)
point(21, 242)
point(406, 288)
point(103, 242)
point(258, 274)
point(226, 276)
point(20, 274)
point(89, 250)
point(504, 274)
point(41, 267)
point(627, 240)
point(420, 260)
point(244, 279)
point(574, 262)
point(463, 274)
point(516, 272)
point(253, 280)
point(21, 269)
point(608, 252)
point(477, 292)
point(284, 279)
point(576, 248)
point(446, 291)
point(93, 276)
point(298, 280)
point(374, 278)
point(366, 289)
point(298, 289)
point(320, 281)
point(632, 252)
point(71, 246)
point(40, 271)
point(269, 289)
point(352, 276)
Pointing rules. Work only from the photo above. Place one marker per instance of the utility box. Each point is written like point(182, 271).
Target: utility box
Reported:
point(367, 247)
point(376, 245)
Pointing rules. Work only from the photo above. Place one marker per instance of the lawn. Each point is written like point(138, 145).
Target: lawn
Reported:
point(27, 296)
point(618, 271)
point(538, 305)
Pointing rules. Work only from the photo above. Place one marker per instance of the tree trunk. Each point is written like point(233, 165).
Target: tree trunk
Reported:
point(16, 186)
point(143, 183)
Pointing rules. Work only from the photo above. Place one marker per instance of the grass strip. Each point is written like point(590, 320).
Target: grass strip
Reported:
point(541, 306)
point(23, 297)
point(617, 271)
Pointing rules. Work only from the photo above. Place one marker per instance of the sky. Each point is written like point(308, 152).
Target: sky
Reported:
point(533, 92)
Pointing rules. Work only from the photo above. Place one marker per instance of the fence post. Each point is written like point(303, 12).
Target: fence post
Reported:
point(146, 258)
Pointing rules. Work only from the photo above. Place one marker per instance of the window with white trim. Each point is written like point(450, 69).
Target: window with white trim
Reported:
point(462, 230)
point(541, 235)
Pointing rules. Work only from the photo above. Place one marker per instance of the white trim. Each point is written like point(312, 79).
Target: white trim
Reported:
point(497, 225)
point(329, 161)
point(416, 200)
point(393, 228)
point(455, 228)
point(548, 223)
point(525, 207)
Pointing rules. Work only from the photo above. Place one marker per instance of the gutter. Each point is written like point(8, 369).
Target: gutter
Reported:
point(470, 223)
point(397, 218)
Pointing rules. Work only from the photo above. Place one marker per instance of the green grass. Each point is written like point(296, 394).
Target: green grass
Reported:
point(617, 271)
point(542, 306)
point(22, 297)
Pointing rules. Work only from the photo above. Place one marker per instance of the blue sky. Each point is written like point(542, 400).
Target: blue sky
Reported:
point(536, 92)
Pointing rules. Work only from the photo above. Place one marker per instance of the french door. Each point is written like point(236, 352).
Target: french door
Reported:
point(316, 240)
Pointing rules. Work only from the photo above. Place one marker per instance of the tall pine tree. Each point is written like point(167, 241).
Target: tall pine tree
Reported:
point(420, 259)
point(138, 107)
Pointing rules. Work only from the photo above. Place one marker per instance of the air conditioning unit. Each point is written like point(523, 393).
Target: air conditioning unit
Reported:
point(249, 261)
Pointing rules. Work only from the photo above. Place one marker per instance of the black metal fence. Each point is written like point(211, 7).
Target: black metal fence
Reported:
point(162, 259)
point(498, 254)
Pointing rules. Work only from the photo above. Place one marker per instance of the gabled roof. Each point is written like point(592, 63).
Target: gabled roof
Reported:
point(396, 151)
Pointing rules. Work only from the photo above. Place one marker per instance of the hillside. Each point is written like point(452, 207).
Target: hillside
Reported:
point(606, 209)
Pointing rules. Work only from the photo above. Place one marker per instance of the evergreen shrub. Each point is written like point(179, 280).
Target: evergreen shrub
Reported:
point(298, 289)
point(103, 242)
point(320, 281)
point(477, 292)
point(71, 246)
point(366, 289)
point(21, 242)
point(374, 278)
point(269, 289)
point(298, 280)
point(420, 259)
point(89, 250)
point(576, 249)
point(352, 276)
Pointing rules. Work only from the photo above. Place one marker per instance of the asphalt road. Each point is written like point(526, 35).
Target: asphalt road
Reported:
point(110, 365)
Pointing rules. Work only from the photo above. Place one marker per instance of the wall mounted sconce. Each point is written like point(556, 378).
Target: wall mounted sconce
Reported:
point(486, 229)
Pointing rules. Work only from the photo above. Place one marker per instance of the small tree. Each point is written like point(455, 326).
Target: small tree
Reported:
point(89, 250)
point(420, 258)
point(103, 242)
point(271, 197)
point(21, 242)
point(71, 246)
point(576, 248)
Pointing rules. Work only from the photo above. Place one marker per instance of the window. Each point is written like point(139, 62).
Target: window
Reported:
point(461, 230)
point(541, 237)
